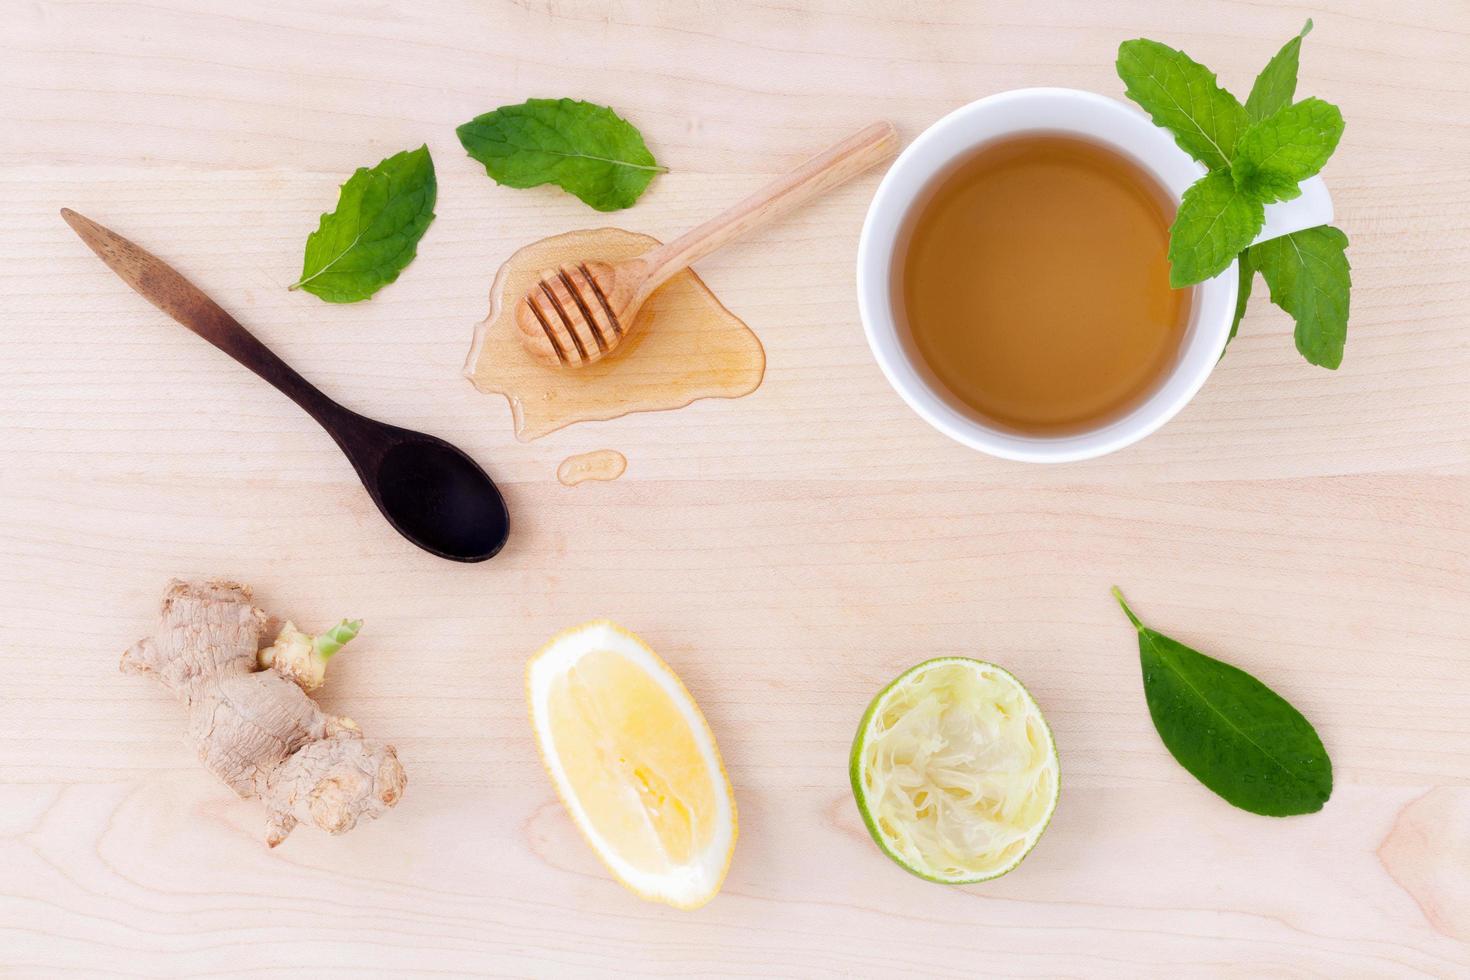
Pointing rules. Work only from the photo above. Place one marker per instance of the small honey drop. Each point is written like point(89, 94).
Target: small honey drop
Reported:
point(684, 346)
point(600, 464)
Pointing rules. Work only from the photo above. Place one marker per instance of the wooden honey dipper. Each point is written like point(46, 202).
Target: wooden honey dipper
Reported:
point(580, 312)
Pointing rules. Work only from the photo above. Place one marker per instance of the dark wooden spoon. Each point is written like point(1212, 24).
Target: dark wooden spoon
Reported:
point(431, 492)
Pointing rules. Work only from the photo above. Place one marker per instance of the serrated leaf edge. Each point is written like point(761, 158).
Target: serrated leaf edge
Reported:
point(1214, 79)
point(412, 246)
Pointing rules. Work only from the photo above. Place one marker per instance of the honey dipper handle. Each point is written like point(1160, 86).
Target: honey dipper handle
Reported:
point(818, 175)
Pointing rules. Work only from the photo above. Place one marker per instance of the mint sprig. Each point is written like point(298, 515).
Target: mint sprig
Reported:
point(1257, 153)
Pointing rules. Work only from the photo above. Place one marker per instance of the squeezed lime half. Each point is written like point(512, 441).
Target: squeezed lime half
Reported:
point(954, 771)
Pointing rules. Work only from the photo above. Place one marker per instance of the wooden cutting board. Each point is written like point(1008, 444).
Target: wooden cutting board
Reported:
point(788, 552)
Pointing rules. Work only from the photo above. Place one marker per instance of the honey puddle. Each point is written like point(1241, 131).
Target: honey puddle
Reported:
point(685, 345)
point(600, 464)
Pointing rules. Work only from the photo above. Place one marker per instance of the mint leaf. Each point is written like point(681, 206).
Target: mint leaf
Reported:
point(373, 234)
point(1242, 292)
point(1284, 149)
point(1182, 96)
point(585, 149)
point(1276, 84)
point(1257, 153)
point(1309, 278)
point(1231, 732)
point(1215, 223)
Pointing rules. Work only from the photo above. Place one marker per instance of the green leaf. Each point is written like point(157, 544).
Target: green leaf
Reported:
point(1242, 293)
point(1215, 223)
point(585, 149)
point(1310, 278)
point(1281, 151)
point(1182, 96)
point(1231, 732)
point(1275, 86)
point(373, 234)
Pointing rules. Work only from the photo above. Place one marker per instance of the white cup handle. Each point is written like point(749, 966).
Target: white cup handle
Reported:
point(1312, 208)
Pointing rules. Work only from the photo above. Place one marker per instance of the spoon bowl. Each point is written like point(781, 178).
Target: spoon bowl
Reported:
point(437, 497)
point(428, 490)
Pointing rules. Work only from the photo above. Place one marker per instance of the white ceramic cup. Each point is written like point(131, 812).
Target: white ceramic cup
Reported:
point(1100, 120)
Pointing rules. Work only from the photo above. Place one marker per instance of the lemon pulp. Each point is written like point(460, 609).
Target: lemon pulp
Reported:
point(634, 761)
point(955, 771)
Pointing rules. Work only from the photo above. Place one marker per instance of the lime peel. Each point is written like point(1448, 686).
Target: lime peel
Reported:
point(955, 771)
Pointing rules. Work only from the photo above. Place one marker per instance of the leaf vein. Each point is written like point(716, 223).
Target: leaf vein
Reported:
point(1158, 652)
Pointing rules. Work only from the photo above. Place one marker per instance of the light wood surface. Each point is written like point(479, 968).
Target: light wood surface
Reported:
point(831, 168)
point(787, 552)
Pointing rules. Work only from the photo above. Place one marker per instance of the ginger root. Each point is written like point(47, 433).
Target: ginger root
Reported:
point(304, 658)
point(249, 716)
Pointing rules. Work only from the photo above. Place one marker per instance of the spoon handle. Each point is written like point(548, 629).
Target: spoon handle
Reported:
point(821, 173)
point(162, 285)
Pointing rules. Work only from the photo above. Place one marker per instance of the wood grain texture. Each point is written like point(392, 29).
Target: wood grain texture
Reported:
point(787, 552)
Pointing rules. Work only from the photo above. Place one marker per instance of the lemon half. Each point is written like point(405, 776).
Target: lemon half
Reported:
point(955, 771)
point(635, 763)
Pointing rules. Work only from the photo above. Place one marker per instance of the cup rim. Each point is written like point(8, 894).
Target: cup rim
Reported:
point(1127, 131)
